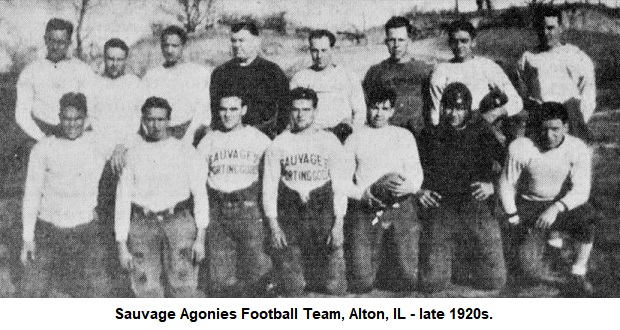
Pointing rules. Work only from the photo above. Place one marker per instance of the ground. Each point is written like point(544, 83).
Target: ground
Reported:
point(605, 263)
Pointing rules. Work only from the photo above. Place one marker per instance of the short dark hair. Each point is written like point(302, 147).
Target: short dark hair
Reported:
point(59, 24)
point(546, 11)
point(248, 26)
point(318, 34)
point(302, 93)
point(76, 100)
point(156, 102)
point(461, 25)
point(551, 111)
point(115, 43)
point(173, 29)
point(456, 94)
point(398, 22)
point(380, 95)
point(233, 94)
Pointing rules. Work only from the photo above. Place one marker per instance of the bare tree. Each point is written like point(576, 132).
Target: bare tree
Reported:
point(481, 4)
point(82, 8)
point(197, 12)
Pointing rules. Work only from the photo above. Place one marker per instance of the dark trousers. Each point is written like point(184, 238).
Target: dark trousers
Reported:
point(461, 221)
point(162, 248)
point(578, 223)
point(236, 262)
point(69, 260)
point(365, 246)
point(308, 261)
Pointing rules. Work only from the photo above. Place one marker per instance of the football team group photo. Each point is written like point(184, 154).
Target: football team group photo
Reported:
point(462, 176)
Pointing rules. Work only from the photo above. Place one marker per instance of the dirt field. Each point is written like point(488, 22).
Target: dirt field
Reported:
point(605, 264)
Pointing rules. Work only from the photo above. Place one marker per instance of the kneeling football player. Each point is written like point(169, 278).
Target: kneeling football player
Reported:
point(387, 172)
point(457, 157)
point(233, 154)
point(304, 199)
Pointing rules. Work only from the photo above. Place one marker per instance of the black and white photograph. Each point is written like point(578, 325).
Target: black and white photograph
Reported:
point(309, 149)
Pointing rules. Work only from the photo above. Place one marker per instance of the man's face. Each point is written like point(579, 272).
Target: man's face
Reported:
point(172, 48)
point(72, 122)
point(380, 113)
point(57, 43)
point(321, 52)
point(461, 44)
point(155, 123)
point(549, 33)
point(455, 116)
point(552, 133)
point(302, 114)
point(397, 41)
point(231, 113)
point(115, 61)
point(244, 45)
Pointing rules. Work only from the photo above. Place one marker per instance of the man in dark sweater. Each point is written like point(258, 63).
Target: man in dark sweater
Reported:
point(262, 83)
point(403, 74)
point(457, 158)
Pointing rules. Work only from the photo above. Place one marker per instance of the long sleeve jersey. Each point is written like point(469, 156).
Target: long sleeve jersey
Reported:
point(186, 87)
point(40, 87)
point(563, 173)
point(454, 159)
point(410, 82)
point(303, 162)
point(377, 151)
point(262, 83)
point(62, 181)
point(340, 95)
point(479, 74)
point(115, 110)
point(558, 75)
point(158, 175)
point(233, 158)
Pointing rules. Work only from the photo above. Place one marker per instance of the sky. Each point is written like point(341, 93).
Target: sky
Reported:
point(23, 21)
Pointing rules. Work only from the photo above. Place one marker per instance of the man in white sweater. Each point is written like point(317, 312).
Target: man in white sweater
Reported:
point(185, 85)
point(341, 98)
point(557, 72)
point(233, 155)
point(62, 247)
point(479, 74)
point(44, 81)
point(158, 233)
point(376, 150)
point(304, 200)
point(545, 187)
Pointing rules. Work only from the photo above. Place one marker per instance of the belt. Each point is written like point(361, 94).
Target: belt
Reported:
point(178, 207)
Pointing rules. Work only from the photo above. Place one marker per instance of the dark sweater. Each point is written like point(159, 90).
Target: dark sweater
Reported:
point(264, 86)
point(410, 82)
point(454, 159)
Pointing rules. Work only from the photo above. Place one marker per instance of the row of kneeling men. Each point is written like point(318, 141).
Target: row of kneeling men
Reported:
point(241, 214)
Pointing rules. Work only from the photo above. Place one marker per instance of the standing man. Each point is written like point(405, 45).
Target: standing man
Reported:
point(44, 81)
point(341, 105)
point(387, 172)
point(116, 111)
point(233, 155)
point(157, 232)
point(545, 187)
point(479, 74)
point(457, 157)
point(262, 83)
point(62, 247)
point(304, 199)
point(403, 74)
point(184, 85)
point(557, 72)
